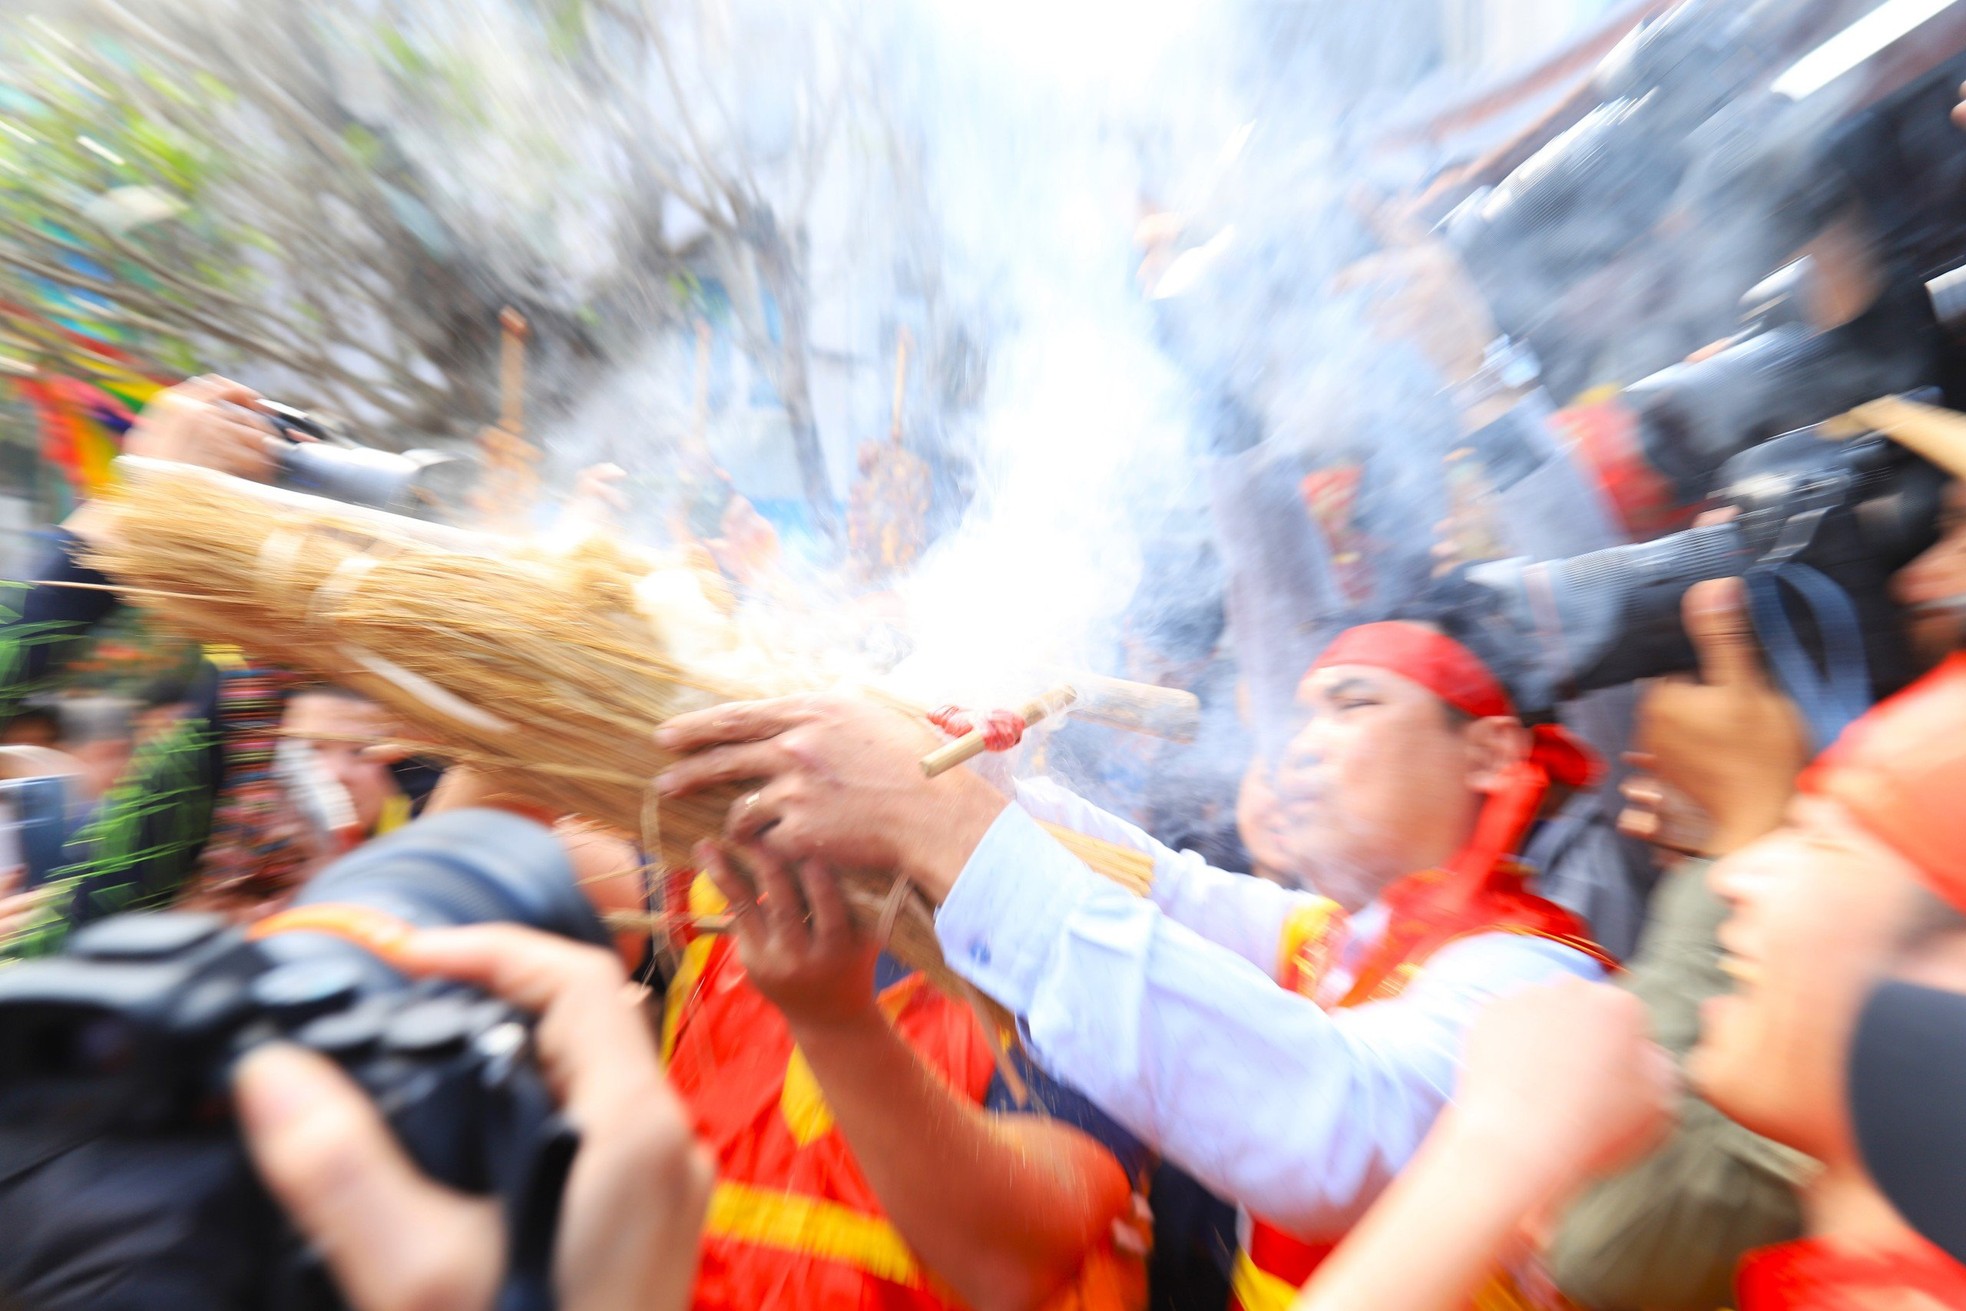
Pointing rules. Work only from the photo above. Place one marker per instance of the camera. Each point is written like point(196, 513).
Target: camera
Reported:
point(1852, 511)
point(122, 1179)
point(318, 459)
point(1693, 417)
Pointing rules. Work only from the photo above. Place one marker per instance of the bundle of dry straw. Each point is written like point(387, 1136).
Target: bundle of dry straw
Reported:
point(545, 671)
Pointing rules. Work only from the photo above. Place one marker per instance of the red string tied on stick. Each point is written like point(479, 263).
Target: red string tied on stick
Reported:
point(1002, 729)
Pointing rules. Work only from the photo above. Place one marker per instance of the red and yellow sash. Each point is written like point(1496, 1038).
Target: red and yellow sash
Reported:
point(1425, 912)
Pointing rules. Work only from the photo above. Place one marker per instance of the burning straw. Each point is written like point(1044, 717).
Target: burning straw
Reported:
point(548, 673)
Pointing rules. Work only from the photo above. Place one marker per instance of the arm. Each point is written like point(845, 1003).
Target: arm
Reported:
point(1003, 1208)
point(1560, 1081)
point(201, 422)
point(1299, 1115)
point(1669, 1231)
point(1244, 914)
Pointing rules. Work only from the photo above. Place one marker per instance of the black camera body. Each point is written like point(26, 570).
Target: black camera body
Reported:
point(1852, 511)
point(118, 1054)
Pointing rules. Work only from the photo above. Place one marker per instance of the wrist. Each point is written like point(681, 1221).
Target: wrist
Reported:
point(953, 832)
point(830, 1026)
point(1533, 1165)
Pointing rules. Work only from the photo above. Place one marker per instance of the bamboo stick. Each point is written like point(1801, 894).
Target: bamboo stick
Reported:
point(975, 742)
point(902, 342)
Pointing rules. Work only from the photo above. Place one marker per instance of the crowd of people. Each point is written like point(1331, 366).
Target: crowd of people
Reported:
point(1419, 1077)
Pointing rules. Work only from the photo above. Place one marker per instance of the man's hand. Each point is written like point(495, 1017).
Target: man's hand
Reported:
point(837, 778)
point(796, 939)
point(1568, 1075)
point(204, 422)
point(395, 1239)
point(1731, 741)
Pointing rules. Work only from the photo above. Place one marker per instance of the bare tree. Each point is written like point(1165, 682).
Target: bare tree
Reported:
point(345, 191)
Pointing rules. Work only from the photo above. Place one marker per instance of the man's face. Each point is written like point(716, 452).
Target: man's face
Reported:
point(1375, 784)
point(1933, 587)
point(1818, 908)
point(337, 728)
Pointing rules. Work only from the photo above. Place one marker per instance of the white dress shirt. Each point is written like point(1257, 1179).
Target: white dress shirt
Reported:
point(1165, 1013)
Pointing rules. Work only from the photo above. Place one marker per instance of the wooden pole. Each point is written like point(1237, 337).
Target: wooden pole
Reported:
point(512, 370)
point(903, 341)
point(973, 743)
point(700, 404)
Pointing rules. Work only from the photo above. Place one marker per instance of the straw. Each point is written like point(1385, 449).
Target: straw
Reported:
point(539, 670)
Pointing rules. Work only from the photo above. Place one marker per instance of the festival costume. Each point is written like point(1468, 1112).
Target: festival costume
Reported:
point(1482, 889)
point(1168, 1014)
point(792, 1221)
point(1814, 1275)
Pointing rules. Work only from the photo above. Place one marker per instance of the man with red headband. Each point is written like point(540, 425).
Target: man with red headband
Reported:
point(1864, 877)
point(1415, 782)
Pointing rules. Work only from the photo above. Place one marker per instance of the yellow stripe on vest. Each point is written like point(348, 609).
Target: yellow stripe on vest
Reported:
point(704, 899)
point(1253, 1288)
point(813, 1227)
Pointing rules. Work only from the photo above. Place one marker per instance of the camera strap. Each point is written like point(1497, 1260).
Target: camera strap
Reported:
point(1834, 692)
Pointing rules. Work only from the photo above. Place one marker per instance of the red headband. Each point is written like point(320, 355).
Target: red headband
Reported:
point(1457, 676)
point(1433, 660)
point(1899, 772)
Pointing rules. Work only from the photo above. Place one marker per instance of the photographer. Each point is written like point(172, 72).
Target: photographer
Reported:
point(1286, 1048)
point(198, 799)
point(1669, 1231)
point(438, 1069)
point(397, 1241)
point(1864, 877)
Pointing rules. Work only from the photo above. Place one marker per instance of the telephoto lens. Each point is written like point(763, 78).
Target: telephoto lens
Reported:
point(1695, 417)
point(316, 459)
point(1852, 512)
point(123, 1182)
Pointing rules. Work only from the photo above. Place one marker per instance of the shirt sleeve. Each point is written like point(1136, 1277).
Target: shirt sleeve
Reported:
point(1299, 1115)
point(1243, 913)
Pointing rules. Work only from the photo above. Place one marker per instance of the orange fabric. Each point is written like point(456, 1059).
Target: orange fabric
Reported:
point(1812, 1275)
point(793, 1222)
point(1901, 770)
point(731, 1058)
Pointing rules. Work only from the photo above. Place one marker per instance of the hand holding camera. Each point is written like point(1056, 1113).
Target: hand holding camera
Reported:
point(394, 1238)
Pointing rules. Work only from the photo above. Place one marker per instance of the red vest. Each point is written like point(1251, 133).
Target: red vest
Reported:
point(1811, 1275)
point(1425, 912)
point(793, 1222)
